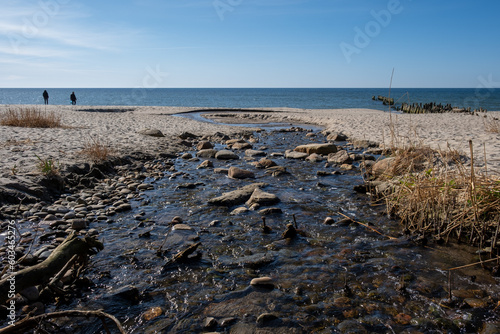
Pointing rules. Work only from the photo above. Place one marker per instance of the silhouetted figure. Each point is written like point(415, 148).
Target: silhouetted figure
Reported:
point(73, 98)
point(45, 97)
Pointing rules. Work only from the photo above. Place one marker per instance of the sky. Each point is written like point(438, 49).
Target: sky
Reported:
point(249, 43)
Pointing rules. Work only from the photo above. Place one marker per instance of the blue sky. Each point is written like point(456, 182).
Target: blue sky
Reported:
point(249, 43)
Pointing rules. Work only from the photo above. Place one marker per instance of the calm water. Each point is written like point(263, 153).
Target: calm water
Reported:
point(309, 98)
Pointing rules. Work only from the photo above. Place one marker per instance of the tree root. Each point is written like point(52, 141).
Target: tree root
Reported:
point(33, 322)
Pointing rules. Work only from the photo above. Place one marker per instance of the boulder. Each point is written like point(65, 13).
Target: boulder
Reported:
point(241, 146)
point(315, 158)
point(205, 164)
point(152, 133)
point(339, 158)
point(238, 196)
point(265, 163)
point(254, 153)
point(336, 136)
point(226, 155)
point(204, 145)
point(382, 167)
point(206, 153)
point(262, 198)
point(238, 173)
point(317, 148)
point(295, 155)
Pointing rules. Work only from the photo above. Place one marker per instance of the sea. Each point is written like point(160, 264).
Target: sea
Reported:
point(304, 98)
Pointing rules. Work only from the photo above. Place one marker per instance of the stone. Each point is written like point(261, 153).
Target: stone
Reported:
point(262, 198)
point(127, 293)
point(266, 163)
point(186, 156)
point(265, 318)
point(241, 146)
point(351, 326)
point(226, 155)
point(290, 232)
point(265, 282)
point(339, 158)
point(236, 197)
point(383, 166)
point(314, 158)
point(181, 227)
point(336, 136)
point(152, 313)
point(221, 170)
point(295, 155)
point(347, 167)
point(50, 217)
point(206, 153)
point(254, 153)
point(78, 224)
point(239, 211)
point(31, 293)
point(187, 135)
point(152, 133)
point(69, 215)
point(270, 211)
point(209, 323)
point(177, 220)
point(329, 221)
point(204, 145)
point(317, 148)
point(238, 173)
point(363, 143)
point(205, 164)
point(123, 207)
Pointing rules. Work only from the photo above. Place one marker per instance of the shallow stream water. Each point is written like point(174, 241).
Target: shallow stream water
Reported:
point(343, 277)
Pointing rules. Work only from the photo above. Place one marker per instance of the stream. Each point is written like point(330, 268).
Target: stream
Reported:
point(332, 278)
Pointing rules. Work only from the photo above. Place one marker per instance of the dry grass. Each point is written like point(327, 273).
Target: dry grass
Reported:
point(492, 124)
point(96, 150)
point(30, 117)
point(439, 193)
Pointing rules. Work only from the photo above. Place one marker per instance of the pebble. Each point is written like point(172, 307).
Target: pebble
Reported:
point(265, 318)
point(78, 224)
point(264, 282)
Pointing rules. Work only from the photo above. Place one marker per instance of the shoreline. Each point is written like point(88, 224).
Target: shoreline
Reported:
point(120, 127)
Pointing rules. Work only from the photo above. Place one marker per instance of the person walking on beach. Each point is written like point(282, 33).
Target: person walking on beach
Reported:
point(73, 98)
point(45, 97)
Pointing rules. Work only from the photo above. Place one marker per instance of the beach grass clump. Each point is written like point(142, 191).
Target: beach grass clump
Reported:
point(438, 194)
point(47, 166)
point(96, 150)
point(30, 117)
point(492, 124)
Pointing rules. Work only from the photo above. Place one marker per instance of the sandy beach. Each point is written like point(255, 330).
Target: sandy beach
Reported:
point(119, 127)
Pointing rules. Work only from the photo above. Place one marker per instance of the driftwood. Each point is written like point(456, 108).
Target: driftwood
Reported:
point(41, 273)
point(34, 322)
